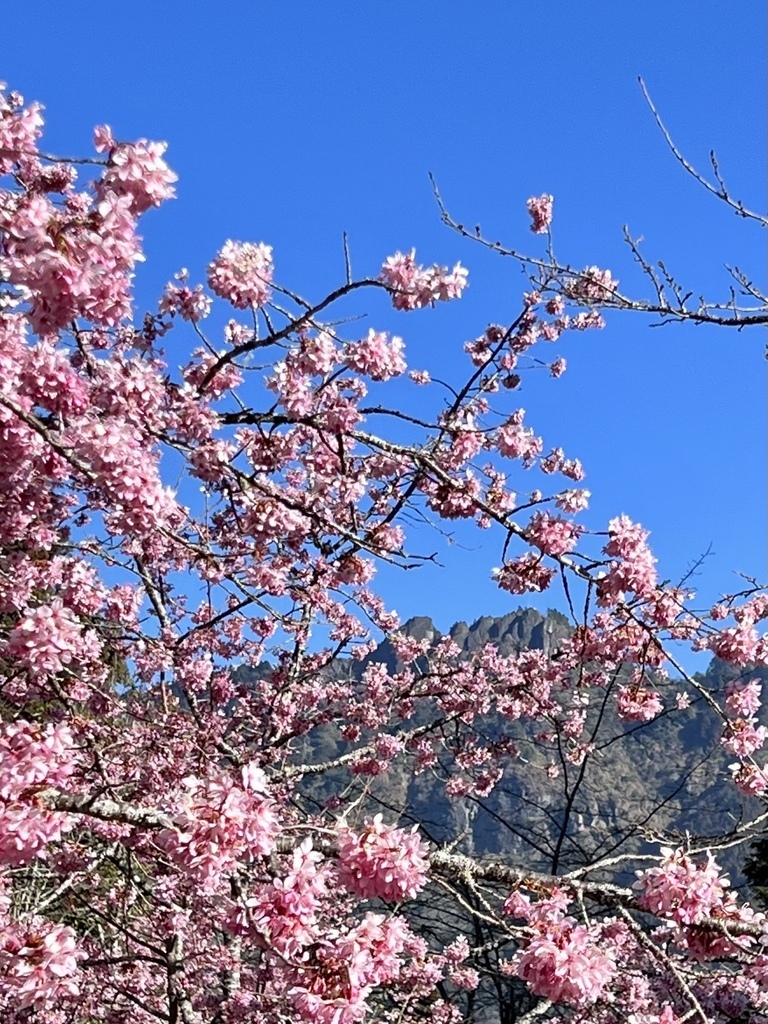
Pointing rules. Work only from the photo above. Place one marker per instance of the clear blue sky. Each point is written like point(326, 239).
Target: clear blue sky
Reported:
point(290, 122)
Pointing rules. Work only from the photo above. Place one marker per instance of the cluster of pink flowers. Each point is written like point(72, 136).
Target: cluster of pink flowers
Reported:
point(553, 535)
point(382, 862)
point(38, 965)
point(681, 890)
point(376, 356)
point(32, 755)
point(127, 472)
point(587, 320)
point(317, 355)
point(540, 209)
point(524, 575)
point(516, 441)
point(197, 370)
point(564, 961)
point(333, 987)
point(557, 369)
point(593, 285)
point(566, 964)
point(32, 758)
point(738, 644)
point(749, 779)
point(136, 170)
point(286, 912)
point(635, 570)
point(573, 500)
point(637, 703)
point(556, 462)
point(414, 286)
point(71, 263)
point(20, 128)
point(241, 273)
point(743, 736)
point(742, 698)
point(219, 822)
point(49, 639)
point(189, 303)
point(50, 381)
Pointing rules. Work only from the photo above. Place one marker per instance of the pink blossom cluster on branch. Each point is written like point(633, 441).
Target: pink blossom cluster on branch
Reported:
point(413, 286)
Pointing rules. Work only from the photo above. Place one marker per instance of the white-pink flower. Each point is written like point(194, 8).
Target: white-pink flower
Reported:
point(638, 704)
point(540, 209)
point(565, 964)
point(50, 638)
point(38, 965)
point(552, 534)
point(376, 356)
point(681, 890)
point(524, 575)
point(743, 736)
point(220, 822)
point(382, 861)
point(414, 286)
point(241, 273)
point(593, 285)
point(749, 779)
point(742, 699)
point(136, 170)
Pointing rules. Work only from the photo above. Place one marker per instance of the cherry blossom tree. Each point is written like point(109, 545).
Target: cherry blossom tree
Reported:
point(157, 859)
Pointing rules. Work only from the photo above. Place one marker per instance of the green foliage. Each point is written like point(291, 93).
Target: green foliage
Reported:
point(756, 871)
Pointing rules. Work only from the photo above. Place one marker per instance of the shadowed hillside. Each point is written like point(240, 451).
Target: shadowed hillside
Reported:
point(661, 780)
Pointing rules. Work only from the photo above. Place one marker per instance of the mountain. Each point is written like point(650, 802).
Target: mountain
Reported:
point(664, 780)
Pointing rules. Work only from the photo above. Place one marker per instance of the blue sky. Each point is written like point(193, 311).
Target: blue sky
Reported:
point(291, 122)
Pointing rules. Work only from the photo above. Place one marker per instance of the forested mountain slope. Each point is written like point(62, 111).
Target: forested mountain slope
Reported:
point(667, 778)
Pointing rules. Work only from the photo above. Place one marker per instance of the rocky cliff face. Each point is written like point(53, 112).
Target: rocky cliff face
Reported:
point(524, 629)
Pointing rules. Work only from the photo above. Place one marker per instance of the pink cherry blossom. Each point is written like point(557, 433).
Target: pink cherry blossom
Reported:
point(566, 964)
point(634, 568)
point(39, 966)
point(376, 356)
point(382, 861)
point(20, 128)
point(593, 285)
point(586, 321)
point(49, 639)
point(189, 303)
point(518, 442)
point(287, 912)
point(414, 286)
point(681, 890)
point(638, 703)
point(552, 534)
point(742, 699)
point(136, 170)
point(524, 574)
point(32, 759)
point(743, 736)
point(573, 500)
point(736, 644)
point(749, 779)
point(540, 209)
point(242, 273)
point(557, 369)
point(219, 821)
